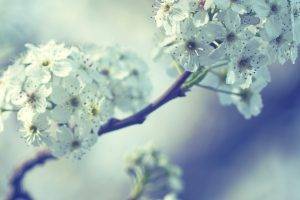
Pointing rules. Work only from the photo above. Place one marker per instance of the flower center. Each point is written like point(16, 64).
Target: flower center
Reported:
point(32, 98)
point(231, 37)
point(75, 144)
point(135, 72)
point(167, 7)
point(246, 95)
point(95, 111)
point(122, 57)
point(33, 129)
point(46, 63)
point(244, 63)
point(191, 45)
point(279, 39)
point(74, 102)
point(105, 72)
point(274, 8)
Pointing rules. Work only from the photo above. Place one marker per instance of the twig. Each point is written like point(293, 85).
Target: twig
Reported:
point(217, 90)
point(16, 182)
point(176, 90)
point(138, 118)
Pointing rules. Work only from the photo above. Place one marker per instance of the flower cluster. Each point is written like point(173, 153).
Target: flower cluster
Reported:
point(235, 41)
point(127, 77)
point(153, 175)
point(63, 95)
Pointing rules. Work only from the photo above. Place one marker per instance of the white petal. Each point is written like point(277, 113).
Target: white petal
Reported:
point(230, 78)
point(60, 114)
point(59, 95)
point(62, 69)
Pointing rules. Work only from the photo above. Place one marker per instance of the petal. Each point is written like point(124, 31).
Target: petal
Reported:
point(18, 98)
point(62, 69)
point(59, 95)
point(73, 85)
point(231, 20)
point(60, 114)
point(25, 114)
point(230, 77)
point(38, 74)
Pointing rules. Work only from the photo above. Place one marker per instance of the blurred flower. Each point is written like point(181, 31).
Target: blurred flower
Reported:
point(153, 175)
point(73, 142)
point(127, 76)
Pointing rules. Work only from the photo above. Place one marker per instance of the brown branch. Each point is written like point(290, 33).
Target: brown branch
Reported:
point(173, 92)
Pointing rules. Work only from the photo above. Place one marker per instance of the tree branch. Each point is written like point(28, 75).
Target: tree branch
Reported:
point(138, 118)
point(16, 183)
point(175, 91)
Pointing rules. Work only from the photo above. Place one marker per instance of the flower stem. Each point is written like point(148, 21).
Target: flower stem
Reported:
point(173, 92)
point(138, 189)
point(8, 110)
point(217, 90)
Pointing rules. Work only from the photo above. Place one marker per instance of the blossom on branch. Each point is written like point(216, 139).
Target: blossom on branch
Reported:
point(62, 95)
point(247, 36)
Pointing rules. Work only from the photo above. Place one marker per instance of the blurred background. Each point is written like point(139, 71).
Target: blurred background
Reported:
point(223, 156)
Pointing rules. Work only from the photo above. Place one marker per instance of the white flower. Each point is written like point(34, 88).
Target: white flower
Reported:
point(97, 108)
point(84, 67)
point(73, 142)
point(199, 14)
point(278, 34)
point(167, 12)
point(249, 103)
point(270, 8)
point(46, 59)
point(136, 93)
point(78, 99)
point(11, 78)
point(67, 99)
point(250, 63)
point(127, 76)
point(238, 6)
point(230, 33)
point(192, 47)
point(35, 130)
point(217, 79)
point(295, 16)
point(31, 95)
point(152, 171)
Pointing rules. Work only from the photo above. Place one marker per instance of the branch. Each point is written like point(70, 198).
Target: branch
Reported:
point(175, 91)
point(16, 182)
point(138, 118)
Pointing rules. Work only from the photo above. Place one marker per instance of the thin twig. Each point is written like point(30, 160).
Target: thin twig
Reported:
point(16, 183)
point(217, 90)
point(17, 190)
point(173, 92)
